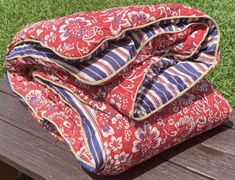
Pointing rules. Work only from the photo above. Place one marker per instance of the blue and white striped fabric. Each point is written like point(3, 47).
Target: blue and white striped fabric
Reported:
point(87, 115)
point(158, 90)
point(174, 76)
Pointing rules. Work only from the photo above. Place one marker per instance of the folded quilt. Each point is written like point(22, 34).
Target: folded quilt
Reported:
point(119, 85)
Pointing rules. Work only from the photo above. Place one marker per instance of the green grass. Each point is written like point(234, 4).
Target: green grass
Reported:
point(15, 14)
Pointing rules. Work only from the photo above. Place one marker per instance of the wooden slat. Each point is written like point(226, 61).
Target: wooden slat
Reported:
point(223, 141)
point(207, 161)
point(5, 89)
point(156, 168)
point(203, 159)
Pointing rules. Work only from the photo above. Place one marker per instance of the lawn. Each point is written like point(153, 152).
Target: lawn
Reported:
point(15, 14)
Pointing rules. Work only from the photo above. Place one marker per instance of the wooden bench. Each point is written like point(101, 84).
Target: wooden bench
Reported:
point(29, 148)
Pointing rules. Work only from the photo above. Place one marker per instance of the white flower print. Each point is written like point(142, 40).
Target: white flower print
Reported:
point(38, 32)
point(121, 122)
point(117, 22)
point(73, 27)
point(170, 121)
point(152, 8)
point(121, 158)
point(184, 127)
point(118, 162)
point(116, 143)
point(116, 118)
point(85, 50)
point(199, 108)
point(201, 122)
point(136, 17)
point(34, 97)
point(127, 135)
point(50, 38)
point(185, 110)
point(147, 137)
point(112, 167)
point(68, 46)
point(107, 150)
point(116, 101)
point(55, 114)
point(91, 32)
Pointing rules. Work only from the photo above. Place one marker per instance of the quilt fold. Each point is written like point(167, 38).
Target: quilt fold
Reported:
point(119, 85)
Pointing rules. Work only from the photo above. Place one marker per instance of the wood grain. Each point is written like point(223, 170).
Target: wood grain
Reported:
point(223, 141)
point(204, 157)
point(5, 89)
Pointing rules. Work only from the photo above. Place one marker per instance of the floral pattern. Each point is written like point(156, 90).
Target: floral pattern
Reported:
point(136, 17)
point(187, 99)
point(116, 143)
point(73, 27)
point(91, 29)
point(117, 22)
point(34, 97)
point(146, 138)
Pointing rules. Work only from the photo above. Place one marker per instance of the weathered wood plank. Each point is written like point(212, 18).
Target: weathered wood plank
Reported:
point(223, 141)
point(204, 160)
point(156, 168)
point(5, 89)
